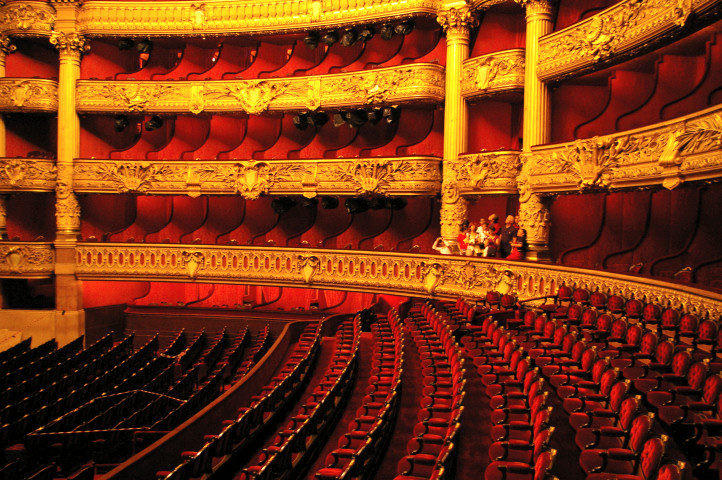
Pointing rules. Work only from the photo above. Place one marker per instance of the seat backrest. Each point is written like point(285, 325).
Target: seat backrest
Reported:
point(581, 295)
point(606, 380)
point(634, 334)
point(628, 412)
point(651, 313)
point(633, 308)
point(681, 363)
point(619, 328)
point(564, 293)
point(589, 317)
point(617, 394)
point(615, 304)
point(664, 352)
point(539, 323)
point(543, 464)
point(707, 332)
point(588, 358)
point(493, 298)
point(558, 336)
point(697, 374)
point(578, 349)
point(549, 328)
point(507, 301)
point(598, 300)
point(568, 341)
point(688, 324)
point(670, 319)
point(711, 389)
point(671, 471)
point(648, 344)
point(651, 456)
point(604, 322)
point(574, 312)
point(639, 432)
point(541, 441)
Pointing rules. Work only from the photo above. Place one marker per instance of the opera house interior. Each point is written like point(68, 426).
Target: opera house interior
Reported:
point(361, 239)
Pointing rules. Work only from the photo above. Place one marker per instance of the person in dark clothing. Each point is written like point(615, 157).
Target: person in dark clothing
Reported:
point(508, 232)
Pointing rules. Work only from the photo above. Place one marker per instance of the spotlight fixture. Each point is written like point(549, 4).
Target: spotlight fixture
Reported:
point(357, 117)
point(367, 33)
point(310, 202)
point(121, 123)
point(125, 43)
point(330, 38)
point(356, 205)
point(144, 46)
point(375, 115)
point(300, 121)
point(377, 203)
point(387, 32)
point(349, 37)
point(329, 203)
point(311, 39)
point(404, 28)
point(339, 118)
point(318, 119)
point(282, 205)
point(154, 123)
point(391, 114)
point(396, 203)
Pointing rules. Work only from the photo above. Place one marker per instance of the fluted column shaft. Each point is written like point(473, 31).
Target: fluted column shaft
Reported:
point(457, 23)
point(6, 47)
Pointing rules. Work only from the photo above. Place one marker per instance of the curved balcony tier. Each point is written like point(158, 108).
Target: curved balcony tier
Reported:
point(26, 259)
point(28, 95)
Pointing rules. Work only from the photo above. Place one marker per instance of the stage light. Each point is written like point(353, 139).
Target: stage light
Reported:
point(396, 203)
point(282, 205)
point(387, 32)
point(375, 115)
point(144, 46)
point(121, 123)
point(330, 38)
point(357, 117)
point(391, 114)
point(311, 39)
point(349, 37)
point(125, 43)
point(356, 205)
point(339, 119)
point(404, 28)
point(377, 203)
point(367, 33)
point(300, 121)
point(329, 203)
point(154, 123)
point(318, 119)
point(309, 202)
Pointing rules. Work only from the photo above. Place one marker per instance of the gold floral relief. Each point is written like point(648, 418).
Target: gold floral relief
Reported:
point(487, 172)
point(26, 260)
point(386, 272)
point(27, 174)
point(28, 94)
point(499, 72)
point(29, 18)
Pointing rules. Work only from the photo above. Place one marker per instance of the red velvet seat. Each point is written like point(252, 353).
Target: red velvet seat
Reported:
point(603, 415)
point(647, 462)
point(611, 436)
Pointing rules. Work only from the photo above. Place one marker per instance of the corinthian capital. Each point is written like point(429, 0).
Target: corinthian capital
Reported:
point(457, 20)
point(536, 7)
point(69, 43)
point(6, 45)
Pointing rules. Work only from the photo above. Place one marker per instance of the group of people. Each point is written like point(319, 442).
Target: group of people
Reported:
point(488, 238)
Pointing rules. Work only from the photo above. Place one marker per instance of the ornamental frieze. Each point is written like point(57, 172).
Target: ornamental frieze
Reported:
point(224, 18)
point(28, 94)
point(617, 32)
point(253, 178)
point(669, 153)
point(28, 18)
point(495, 73)
point(419, 83)
point(31, 259)
point(487, 172)
point(385, 272)
point(27, 174)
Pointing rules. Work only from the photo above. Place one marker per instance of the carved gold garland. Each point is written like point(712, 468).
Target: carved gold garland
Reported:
point(418, 83)
point(26, 18)
point(494, 73)
point(225, 17)
point(405, 274)
point(26, 260)
point(253, 178)
point(27, 174)
point(28, 94)
point(617, 32)
point(487, 172)
point(669, 153)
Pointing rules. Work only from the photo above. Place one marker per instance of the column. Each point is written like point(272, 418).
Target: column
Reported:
point(6, 47)
point(457, 19)
point(70, 318)
point(537, 129)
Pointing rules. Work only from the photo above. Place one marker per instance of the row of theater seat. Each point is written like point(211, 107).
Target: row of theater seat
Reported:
point(361, 448)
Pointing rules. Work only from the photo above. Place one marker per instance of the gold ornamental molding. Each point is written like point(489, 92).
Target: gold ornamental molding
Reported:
point(27, 174)
point(499, 72)
point(26, 18)
point(28, 94)
point(418, 83)
point(486, 172)
point(27, 260)
point(397, 273)
point(670, 153)
point(618, 32)
point(253, 178)
point(226, 17)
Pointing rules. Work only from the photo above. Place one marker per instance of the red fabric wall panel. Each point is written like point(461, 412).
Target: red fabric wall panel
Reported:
point(365, 227)
point(432, 143)
point(31, 215)
point(328, 225)
point(98, 294)
point(571, 11)
point(328, 140)
point(406, 224)
point(224, 135)
point(188, 134)
point(302, 58)
point(574, 103)
point(161, 60)
point(575, 221)
point(105, 60)
point(290, 141)
point(499, 31)
point(225, 213)
point(269, 58)
point(28, 134)
point(98, 136)
point(153, 213)
point(494, 126)
point(259, 219)
point(104, 214)
point(195, 61)
point(146, 142)
point(32, 59)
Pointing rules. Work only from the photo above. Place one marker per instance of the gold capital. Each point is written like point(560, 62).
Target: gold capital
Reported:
point(69, 43)
point(6, 45)
point(457, 20)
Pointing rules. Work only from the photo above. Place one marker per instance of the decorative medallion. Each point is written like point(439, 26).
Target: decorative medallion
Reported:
point(308, 266)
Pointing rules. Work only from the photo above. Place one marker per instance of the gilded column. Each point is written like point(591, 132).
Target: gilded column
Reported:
point(6, 47)
point(537, 128)
point(457, 19)
point(68, 291)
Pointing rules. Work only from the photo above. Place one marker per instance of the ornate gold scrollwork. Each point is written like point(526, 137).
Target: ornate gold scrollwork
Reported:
point(457, 20)
point(308, 265)
point(193, 262)
point(132, 177)
point(496, 171)
point(374, 175)
point(69, 43)
point(28, 94)
point(29, 260)
point(30, 17)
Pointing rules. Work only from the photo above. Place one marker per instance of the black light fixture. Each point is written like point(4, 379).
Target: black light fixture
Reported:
point(375, 115)
point(144, 46)
point(300, 121)
point(404, 28)
point(155, 122)
point(377, 203)
point(387, 32)
point(357, 118)
point(311, 39)
point(349, 37)
point(318, 119)
point(330, 38)
point(396, 203)
point(356, 205)
point(121, 123)
point(391, 114)
point(329, 203)
point(282, 205)
point(339, 118)
point(309, 202)
point(125, 43)
point(367, 33)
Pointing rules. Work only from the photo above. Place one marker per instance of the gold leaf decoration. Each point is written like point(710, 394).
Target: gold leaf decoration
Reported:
point(132, 177)
point(254, 96)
